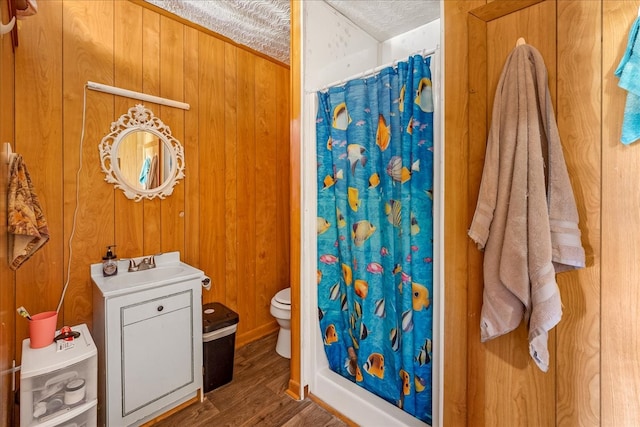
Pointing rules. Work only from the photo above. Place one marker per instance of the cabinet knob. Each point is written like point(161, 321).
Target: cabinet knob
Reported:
point(160, 308)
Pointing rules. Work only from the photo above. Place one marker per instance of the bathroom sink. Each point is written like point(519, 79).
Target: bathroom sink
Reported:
point(145, 276)
point(169, 269)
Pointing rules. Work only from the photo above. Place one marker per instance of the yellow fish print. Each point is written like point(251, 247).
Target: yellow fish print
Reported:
point(374, 180)
point(420, 296)
point(356, 345)
point(362, 230)
point(330, 144)
point(341, 118)
point(375, 365)
point(415, 227)
point(420, 384)
point(401, 99)
point(341, 220)
point(330, 180)
point(406, 383)
point(424, 95)
point(361, 287)
point(410, 126)
point(424, 356)
point(347, 274)
point(319, 276)
point(330, 335)
point(383, 134)
point(393, 210)
point(354, 200)
point(323, 225)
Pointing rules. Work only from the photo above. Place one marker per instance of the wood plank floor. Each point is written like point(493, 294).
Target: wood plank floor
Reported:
point(255, 397)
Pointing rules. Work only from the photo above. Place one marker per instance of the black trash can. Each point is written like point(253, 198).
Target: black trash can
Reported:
point(219, 325)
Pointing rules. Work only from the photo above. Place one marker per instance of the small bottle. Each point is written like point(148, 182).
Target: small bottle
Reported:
point(109, 263)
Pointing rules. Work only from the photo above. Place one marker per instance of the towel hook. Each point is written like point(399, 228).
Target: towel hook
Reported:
point(520, 41)
point(5, 28)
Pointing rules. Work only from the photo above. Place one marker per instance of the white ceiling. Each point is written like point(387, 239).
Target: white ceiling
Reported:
point(263, 25)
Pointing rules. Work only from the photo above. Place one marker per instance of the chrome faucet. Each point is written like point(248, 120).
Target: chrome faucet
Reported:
point(144, 264)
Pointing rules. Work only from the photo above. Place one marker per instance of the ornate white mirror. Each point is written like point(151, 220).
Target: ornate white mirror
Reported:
point(140, 156)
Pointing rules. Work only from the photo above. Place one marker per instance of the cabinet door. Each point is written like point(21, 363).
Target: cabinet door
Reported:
point(157, 358)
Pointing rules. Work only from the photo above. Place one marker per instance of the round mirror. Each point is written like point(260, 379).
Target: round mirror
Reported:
point(140, 156)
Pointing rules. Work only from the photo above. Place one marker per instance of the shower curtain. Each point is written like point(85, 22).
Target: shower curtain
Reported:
point(375, 232)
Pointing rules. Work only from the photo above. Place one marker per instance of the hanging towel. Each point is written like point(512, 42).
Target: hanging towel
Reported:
point(27, 226)
point(152, 178)
point(526, 221)
point(628, 72)
point(144, 172)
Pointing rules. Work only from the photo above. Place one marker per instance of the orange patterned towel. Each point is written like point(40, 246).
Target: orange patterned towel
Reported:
point(27, 226)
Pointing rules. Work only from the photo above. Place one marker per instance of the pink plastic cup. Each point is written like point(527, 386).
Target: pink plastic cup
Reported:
point(42, 329)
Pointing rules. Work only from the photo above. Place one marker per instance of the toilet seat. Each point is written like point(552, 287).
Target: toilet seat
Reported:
point(283, 297)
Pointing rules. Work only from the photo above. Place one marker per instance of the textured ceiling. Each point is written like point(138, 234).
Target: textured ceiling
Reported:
point(263, 25)
point(384, 19)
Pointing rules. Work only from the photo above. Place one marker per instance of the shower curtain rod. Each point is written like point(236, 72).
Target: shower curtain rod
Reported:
point(372, 71)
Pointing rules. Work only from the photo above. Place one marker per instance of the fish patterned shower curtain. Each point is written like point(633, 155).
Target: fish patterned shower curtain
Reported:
point(375, 232)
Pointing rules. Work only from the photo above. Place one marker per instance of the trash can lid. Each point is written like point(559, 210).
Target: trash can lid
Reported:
point(216, 316)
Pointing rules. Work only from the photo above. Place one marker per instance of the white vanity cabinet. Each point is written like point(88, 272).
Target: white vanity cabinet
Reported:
point(148, 330)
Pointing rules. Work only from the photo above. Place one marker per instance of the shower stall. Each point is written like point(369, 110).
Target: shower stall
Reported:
point(334, 51)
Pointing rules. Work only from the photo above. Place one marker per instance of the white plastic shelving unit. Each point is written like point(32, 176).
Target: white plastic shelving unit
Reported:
point(59, 388)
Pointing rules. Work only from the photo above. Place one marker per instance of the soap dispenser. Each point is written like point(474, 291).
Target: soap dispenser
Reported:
point(109, 263)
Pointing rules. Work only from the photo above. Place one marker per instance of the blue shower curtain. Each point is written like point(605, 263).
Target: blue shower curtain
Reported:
point(375, 232)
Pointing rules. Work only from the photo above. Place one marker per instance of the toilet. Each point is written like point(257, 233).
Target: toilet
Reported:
point(281, 310)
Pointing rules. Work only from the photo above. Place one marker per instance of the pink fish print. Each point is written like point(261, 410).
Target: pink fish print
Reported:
point(375, 268)
point(384, 251)
point(405, 277)
point(428, 260)
point(408, 258)
point(328, 259)
point(360, 123)
point(414, 248)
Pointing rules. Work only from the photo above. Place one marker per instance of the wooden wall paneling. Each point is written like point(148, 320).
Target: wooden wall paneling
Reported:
point(619, 362)
point(191, 148)
point(211, 163)
point(7, 277)
point(233, 266)
point(478, 130)
point(456, 220)
point(579, 116)
point(282, 178)
point(128, 55)
point(247, 191)
point(151, 64)
point(266, 176)
point(87, 55)
point(172, 87)
point(295, 239)
point(512, 389)
point(38, 139)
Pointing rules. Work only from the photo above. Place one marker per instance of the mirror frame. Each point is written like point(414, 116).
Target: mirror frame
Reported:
point(140, 118)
